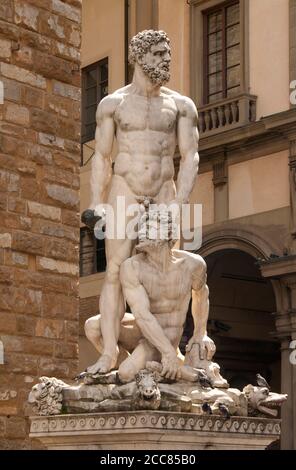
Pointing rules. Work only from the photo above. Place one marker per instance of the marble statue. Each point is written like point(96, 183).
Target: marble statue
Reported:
point(148, 120)
point(140, 365)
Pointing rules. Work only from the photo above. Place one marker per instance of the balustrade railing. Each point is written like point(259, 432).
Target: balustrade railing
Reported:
point(227, 114)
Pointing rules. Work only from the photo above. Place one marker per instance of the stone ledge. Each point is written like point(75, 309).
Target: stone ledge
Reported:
point(152, 430)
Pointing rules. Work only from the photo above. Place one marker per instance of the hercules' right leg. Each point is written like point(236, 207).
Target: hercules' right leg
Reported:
point(112, 305)
point(92, 328)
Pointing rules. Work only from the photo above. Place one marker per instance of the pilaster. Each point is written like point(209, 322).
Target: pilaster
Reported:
point(282, 272)
point(220, 182)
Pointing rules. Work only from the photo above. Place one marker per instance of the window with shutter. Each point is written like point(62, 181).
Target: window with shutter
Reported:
point(94, 88)
point(92, 253)
point(222, 51)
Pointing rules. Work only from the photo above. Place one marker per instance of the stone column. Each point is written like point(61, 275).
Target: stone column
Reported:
point(293, 337)
point(220, 181)
point(290, 282)
point(286, 387)
point(282, 272)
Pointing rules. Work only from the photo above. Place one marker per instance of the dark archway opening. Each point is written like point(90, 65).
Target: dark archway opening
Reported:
point(240, 321)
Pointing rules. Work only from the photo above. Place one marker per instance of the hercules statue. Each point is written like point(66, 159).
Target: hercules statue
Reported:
point(148, 121)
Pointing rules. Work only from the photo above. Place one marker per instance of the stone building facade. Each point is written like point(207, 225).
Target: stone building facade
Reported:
point(236, 59)
point(39, 201)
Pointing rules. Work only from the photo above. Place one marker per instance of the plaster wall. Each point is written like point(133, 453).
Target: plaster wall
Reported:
point(174, 18)
point(203, 193)
point(250, 184)
point(103, 36)
point(269, 55)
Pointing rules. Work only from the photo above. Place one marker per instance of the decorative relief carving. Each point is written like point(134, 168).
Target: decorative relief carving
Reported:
point(153, 420)
point(220, 176)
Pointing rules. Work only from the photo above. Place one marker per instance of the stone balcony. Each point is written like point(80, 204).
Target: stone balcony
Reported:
point(227, 114)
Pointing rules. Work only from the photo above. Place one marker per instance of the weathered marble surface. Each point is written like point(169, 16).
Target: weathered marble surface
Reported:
point(51, 397)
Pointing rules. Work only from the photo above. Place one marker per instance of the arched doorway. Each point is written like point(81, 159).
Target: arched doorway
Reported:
point(241, 321)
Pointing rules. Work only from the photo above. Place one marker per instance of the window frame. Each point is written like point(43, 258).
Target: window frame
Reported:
point(221, 7)
point(197, 66)
point(97, 66)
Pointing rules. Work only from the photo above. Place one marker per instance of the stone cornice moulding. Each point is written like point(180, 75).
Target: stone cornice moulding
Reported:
point(106, 422)
point(277, 126)
point(280, 267)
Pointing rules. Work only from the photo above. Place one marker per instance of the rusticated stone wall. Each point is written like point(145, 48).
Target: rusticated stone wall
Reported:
point(39, 201)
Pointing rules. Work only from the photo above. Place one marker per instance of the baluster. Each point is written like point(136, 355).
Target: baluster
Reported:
point(252, 111)
point(234, 110)
point(214, 118)
point(221, 116)
point(227, 114)
point(201, 122)
point(207, 120)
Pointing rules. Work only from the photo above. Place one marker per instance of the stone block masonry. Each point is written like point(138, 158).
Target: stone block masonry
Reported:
point(39, 202)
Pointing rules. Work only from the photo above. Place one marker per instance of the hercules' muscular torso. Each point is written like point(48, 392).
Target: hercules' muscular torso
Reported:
point(146, 137)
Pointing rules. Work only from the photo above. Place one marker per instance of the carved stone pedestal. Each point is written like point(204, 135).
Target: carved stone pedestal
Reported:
point(153, 430)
